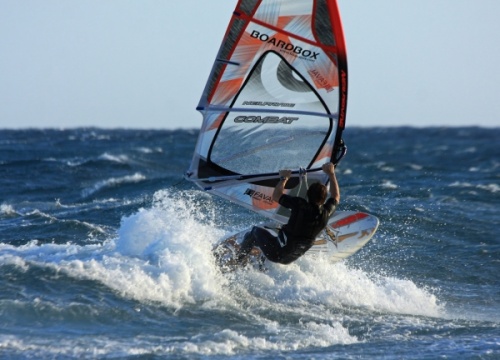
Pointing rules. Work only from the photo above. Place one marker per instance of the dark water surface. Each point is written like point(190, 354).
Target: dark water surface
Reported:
point(105, 253)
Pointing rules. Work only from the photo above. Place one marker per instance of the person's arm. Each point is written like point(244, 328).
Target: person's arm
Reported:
point(280, 188)
point(329, 169)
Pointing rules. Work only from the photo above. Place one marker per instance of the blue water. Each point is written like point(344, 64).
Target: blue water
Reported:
point(105, 253)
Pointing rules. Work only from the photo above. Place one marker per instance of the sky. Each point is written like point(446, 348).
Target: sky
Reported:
point(144, 63)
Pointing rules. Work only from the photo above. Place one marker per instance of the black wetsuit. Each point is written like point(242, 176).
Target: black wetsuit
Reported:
point(297, 236)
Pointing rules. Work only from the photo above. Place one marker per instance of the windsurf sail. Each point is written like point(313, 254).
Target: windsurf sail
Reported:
point(275, 99)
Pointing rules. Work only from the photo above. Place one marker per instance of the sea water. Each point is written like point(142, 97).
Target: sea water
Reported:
point(105, 252)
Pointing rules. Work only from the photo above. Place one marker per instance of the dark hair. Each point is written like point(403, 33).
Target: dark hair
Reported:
point(317, 193)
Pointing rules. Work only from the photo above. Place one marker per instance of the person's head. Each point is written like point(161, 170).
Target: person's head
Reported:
point(317, 193)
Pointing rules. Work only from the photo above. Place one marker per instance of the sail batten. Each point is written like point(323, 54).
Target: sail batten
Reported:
point(276, 98)
point(259, 110)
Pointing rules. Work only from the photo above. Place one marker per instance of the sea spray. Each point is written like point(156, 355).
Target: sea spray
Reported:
point(163, 254)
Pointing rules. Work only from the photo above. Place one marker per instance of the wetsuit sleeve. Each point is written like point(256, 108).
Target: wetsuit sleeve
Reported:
point(330, 206)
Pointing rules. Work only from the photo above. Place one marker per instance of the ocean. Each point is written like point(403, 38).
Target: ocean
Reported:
point(105, 253)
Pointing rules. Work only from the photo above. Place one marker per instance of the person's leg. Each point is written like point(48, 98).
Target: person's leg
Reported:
point(263, 239)
point(268, 243)
point(246, 246)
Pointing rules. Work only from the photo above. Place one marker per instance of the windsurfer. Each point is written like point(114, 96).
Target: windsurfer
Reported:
point(307, 220)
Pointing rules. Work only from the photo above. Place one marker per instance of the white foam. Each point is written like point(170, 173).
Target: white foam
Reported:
point(163, 255)
point(493, 188)
point(7, 209)
point(114, 158)
point(137, 177)
point(387, 184)
point(146, 150)
point(314, 280)
point(415, 167)
point(225, 342)
point(229, 342)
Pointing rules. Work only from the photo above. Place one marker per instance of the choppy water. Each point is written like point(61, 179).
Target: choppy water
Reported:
point(105, 253)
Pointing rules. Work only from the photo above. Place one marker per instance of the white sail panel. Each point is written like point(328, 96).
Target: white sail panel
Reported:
point(275, 99)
